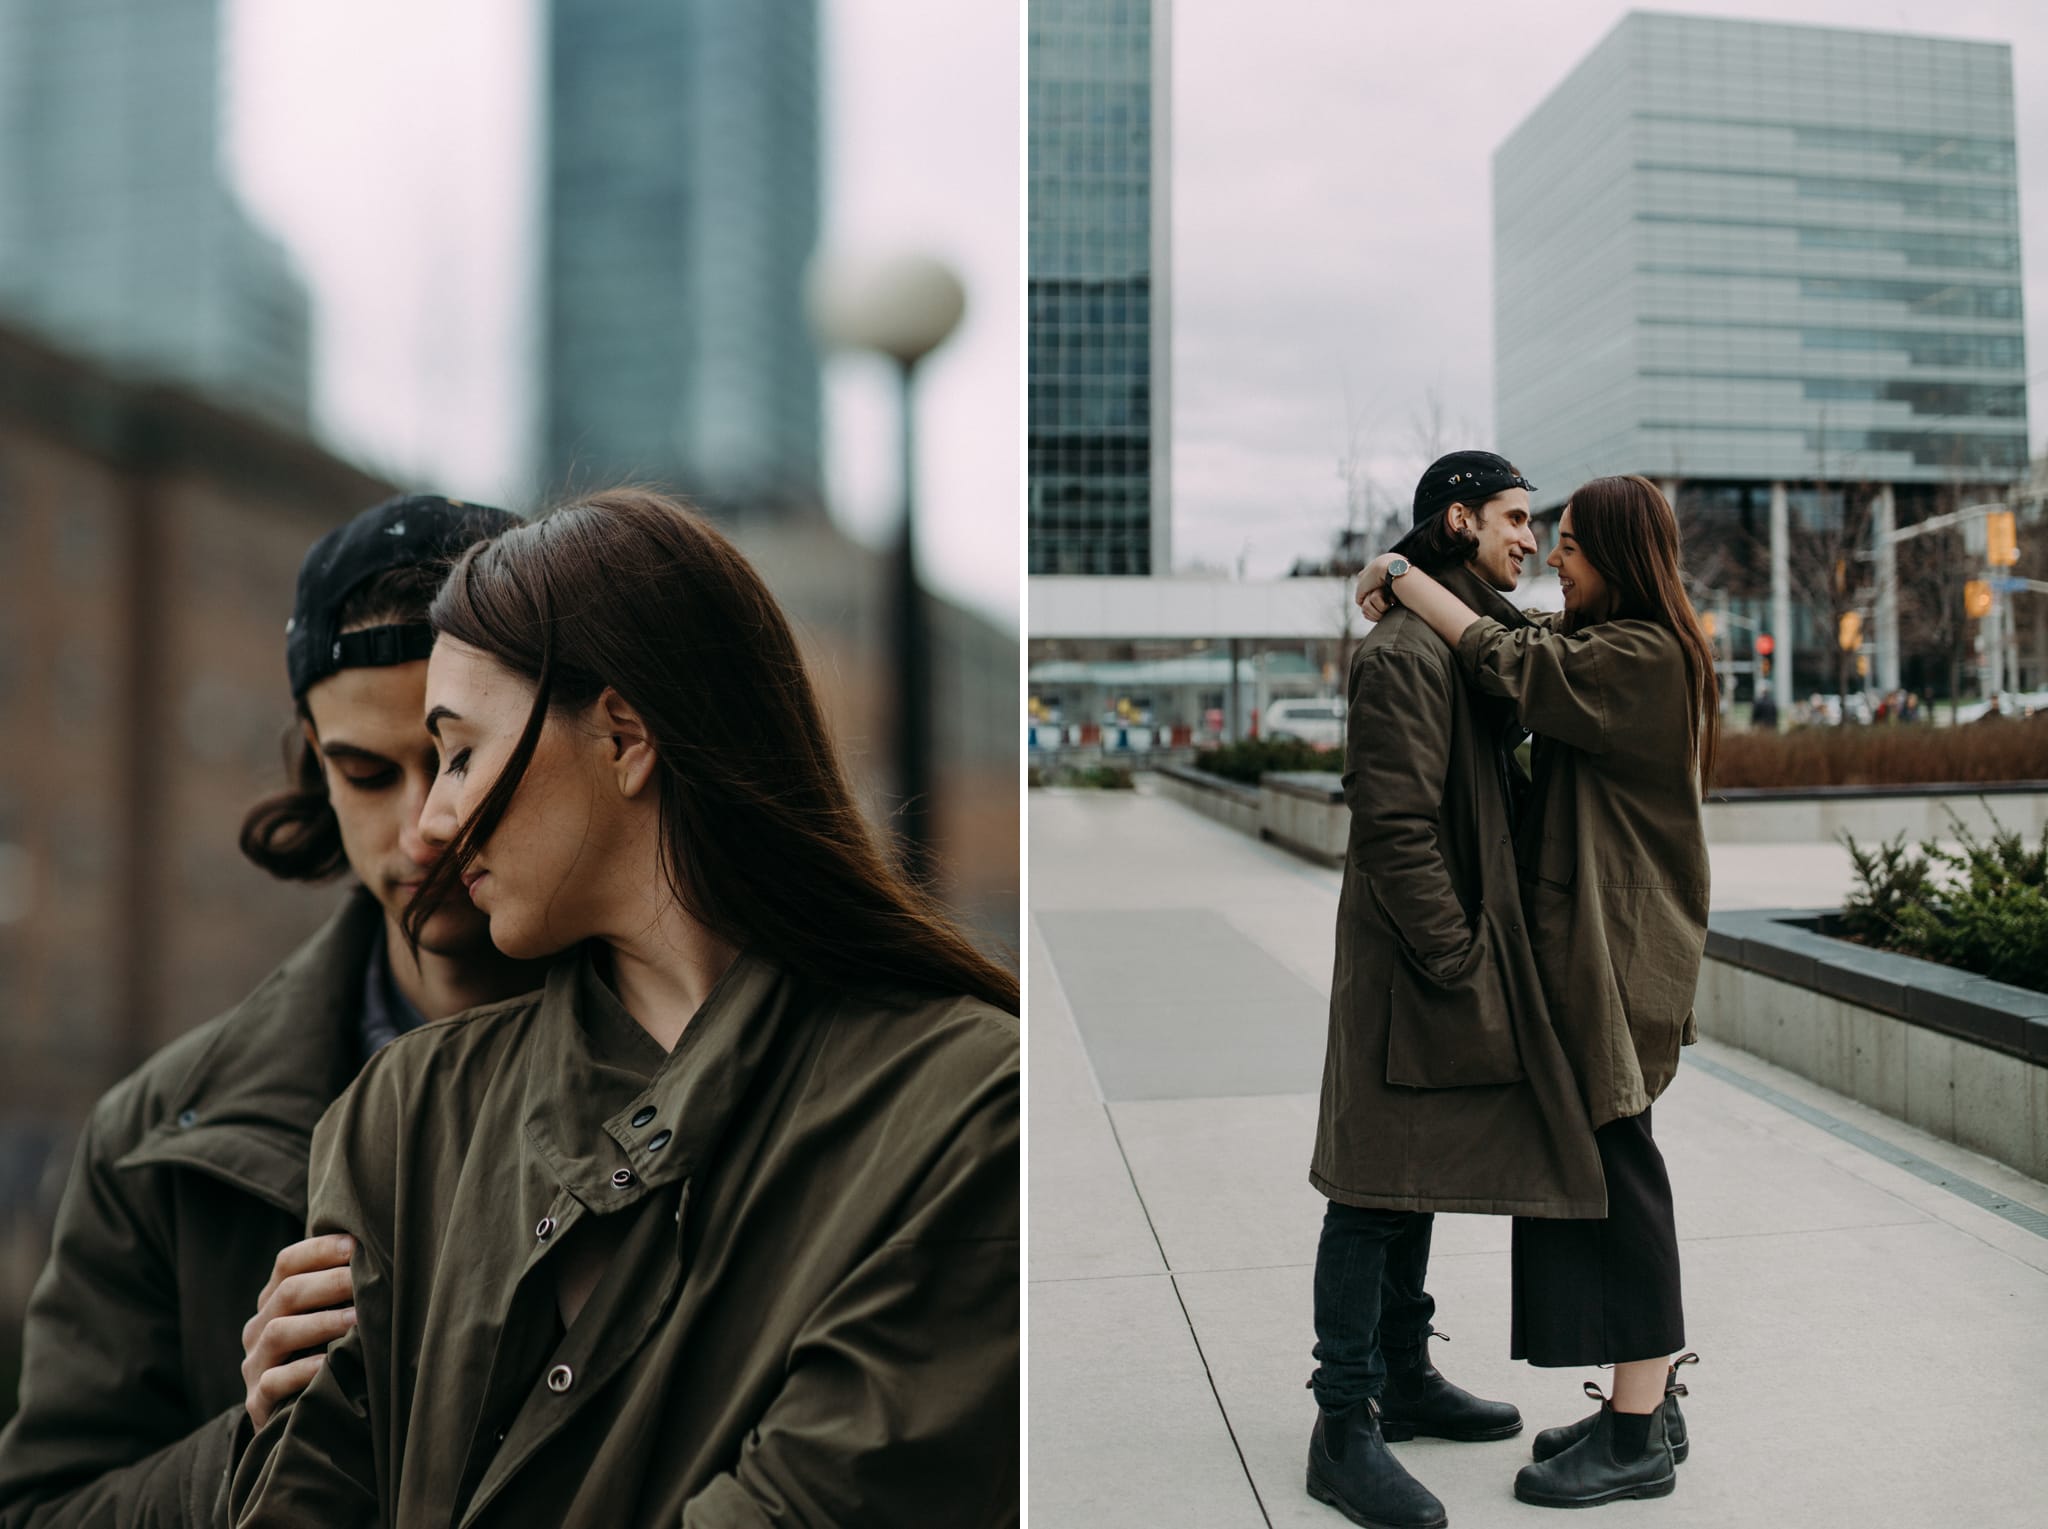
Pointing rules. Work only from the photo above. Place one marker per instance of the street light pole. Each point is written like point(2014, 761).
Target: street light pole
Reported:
point(902, 307)
point(912, 655)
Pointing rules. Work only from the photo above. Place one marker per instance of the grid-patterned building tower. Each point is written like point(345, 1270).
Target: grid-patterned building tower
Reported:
point(682, 207)
point(1769, 265)
point(120, 238)
point(1099, 337)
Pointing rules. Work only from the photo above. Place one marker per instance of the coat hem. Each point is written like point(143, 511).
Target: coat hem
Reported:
point(1559, 1209)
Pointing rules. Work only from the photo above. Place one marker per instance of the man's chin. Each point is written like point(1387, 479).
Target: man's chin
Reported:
point(1505, 580)
point(455, 932)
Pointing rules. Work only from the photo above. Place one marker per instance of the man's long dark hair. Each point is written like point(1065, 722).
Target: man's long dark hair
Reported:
point(1435, 547)
point(761, 839)
point(294, 834)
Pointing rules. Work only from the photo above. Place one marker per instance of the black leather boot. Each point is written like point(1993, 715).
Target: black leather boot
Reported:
point(1590, 1473)
point(1555, 1441)
point(1351, 1469)
point(1418, 1402)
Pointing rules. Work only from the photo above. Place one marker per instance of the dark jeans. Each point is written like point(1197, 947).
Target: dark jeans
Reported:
point(1370, 1265)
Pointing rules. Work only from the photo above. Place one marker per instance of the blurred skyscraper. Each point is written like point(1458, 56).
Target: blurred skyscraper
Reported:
point(1098, 371)
point(682, 206)
point(119, 235)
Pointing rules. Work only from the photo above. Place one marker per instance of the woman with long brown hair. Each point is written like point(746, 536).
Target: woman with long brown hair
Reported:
point(721, 1226)
point(1621, 696)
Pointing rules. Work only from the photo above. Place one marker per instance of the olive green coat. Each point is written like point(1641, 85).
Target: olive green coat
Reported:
point(1444, 1088)
point(190, 1176)
point(809, 1313)
point(1614, 854)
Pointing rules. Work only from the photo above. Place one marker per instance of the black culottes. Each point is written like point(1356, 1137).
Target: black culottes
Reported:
point(1604, 1292)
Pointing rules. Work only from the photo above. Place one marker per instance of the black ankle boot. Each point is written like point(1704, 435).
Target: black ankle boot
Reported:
point(1555, 1441)
point(1590, 1473)
point(1418, 1401)
point(1351, 1469)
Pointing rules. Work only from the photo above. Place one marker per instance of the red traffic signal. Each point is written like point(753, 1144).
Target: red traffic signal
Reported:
point(1765, 647)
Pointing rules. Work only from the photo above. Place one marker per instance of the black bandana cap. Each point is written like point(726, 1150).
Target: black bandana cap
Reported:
point(1464, 477)
point(399, 533)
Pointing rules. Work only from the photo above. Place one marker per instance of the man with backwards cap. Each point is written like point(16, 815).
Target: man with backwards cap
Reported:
point(141, 1353)
point(1444, 1087)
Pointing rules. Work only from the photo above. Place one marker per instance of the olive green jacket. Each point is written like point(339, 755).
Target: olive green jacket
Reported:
point(808, 1317)
point(1614, 854)
point(1444, 1087)
point(190, 1176)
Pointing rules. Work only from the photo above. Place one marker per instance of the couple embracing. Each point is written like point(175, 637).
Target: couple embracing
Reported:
point(1515, 967)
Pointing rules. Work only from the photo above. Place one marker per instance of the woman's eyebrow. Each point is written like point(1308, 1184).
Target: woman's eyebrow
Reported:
point(434, 719)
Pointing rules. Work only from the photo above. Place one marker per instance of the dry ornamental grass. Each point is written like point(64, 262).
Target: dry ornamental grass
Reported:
point(1888, 754)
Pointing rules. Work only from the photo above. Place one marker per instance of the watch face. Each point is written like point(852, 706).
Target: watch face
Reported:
point(1396, 568)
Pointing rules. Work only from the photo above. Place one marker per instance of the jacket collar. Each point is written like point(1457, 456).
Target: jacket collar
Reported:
point(595, 1072)
point(246, 1108)
point(1480, 595)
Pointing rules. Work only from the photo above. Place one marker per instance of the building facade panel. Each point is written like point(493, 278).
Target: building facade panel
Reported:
point(1097, 326)
point(1813, 247)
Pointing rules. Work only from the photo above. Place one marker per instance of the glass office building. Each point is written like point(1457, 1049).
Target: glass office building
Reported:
point(120, 238)
point(1097, 454)
point(682, 206)
point(1730, 254)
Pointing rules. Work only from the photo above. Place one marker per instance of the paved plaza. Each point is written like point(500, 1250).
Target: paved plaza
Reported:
point(1874, 1346)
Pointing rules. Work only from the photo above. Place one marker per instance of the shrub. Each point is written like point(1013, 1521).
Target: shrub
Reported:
point(1982, 906)
point(1245, 762)
point(1888, 754)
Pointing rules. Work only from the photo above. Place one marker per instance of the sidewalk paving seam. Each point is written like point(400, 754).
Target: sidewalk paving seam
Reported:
point(1193, 1336)
point(1962, 1187)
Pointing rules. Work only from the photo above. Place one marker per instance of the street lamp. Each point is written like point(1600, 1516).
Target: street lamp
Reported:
point(902, 307)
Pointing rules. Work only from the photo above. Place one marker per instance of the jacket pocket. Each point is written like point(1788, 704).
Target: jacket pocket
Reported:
point(1457, 1032)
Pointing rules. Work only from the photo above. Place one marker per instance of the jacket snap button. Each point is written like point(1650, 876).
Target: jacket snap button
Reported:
point(187, 1119)
point(658, 1140)
point(546, 1229)
point(561, 1378)
point(622, 1178)
point(642, 1115)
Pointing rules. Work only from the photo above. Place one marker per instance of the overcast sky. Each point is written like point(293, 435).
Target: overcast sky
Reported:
point(1332, 216)
point(394, 146)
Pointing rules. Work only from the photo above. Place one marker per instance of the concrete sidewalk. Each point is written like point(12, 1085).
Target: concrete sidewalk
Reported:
point(1874, 1346)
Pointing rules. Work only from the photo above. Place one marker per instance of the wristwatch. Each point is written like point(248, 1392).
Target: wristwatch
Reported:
point(1396, 568)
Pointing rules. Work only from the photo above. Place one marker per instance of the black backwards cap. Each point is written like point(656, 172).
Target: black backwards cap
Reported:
point(403, 532)
point(1465, 477)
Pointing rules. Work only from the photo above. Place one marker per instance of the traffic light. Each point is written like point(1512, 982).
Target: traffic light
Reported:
point(2001, 539)
point(1849, 631)
point(1977, 599)
point(1709, 625)
point(1765, 647)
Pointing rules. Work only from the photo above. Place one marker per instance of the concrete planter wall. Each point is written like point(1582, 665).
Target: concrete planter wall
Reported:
point(1959, 1056)
point(1872, 813)
point(1211, 795)
point(1305, 811)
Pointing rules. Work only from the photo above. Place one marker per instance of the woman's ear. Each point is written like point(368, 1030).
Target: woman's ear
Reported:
point(629, 748)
